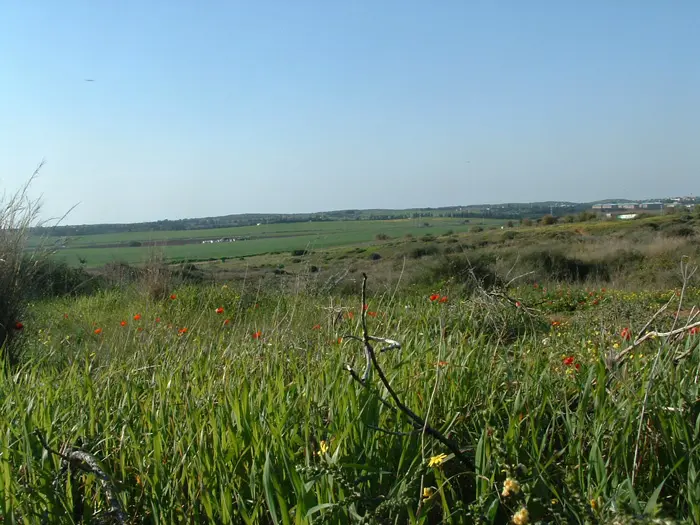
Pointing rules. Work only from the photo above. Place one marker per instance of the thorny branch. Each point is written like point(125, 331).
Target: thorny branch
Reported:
point(372, 361)
point(87, 463)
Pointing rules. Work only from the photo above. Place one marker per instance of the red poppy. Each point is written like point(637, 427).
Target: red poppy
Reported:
point(19, 326)
point(349, 315)
point(257, 335)
point(517, 304)
point(372, 314)
point(65, 316)
point(139, 329)
point(123, 323)
point(443, 299)
point(365, 307)
point(694, 330)
point(568, 361)
point(578, 366)
point(227, 322)
point(98, 331)
point(256, 305)
point(442, 363)
point(595, 301)
point(316, 327)
point(435, 297)
point(536, 285)
point(556, 323)
point(137, 317)
point(340, 340)
point(220, 310)
point(626, 334)
point(173, 297)
point(157, 319)
point(182, 331)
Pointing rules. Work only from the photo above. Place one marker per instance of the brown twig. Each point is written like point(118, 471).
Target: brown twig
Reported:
point(88, 463)
point(650, 335)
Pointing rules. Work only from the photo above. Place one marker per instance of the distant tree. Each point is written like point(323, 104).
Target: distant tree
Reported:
point(382, 237)
point(569, 219)
point(477, 229)
point(526, 222)
point(510, 224)
point(548, 220)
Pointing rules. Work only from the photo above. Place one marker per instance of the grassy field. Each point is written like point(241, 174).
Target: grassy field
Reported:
point(223, 405)
point(98, 250)
point(546, 398)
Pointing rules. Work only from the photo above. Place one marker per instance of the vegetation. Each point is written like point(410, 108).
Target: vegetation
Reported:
point(555, 366)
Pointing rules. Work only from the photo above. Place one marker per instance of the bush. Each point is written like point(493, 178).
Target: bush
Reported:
point(382, 237)
point(299, 253)
point(423, 251)
point(548, 220)
point(375, 256)
point(477, 229)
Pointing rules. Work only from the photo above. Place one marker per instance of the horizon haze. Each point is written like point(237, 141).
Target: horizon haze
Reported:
point(172, 110)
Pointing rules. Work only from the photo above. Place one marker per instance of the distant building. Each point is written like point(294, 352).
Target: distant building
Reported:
point(652, 205)
point(627, 216)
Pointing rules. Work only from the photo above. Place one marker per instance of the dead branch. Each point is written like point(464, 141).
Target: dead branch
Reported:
point(652, 335)
point(372, 361)
point(81, 460)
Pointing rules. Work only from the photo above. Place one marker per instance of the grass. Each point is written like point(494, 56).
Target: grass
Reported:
point(214, 424)
point(98, 250)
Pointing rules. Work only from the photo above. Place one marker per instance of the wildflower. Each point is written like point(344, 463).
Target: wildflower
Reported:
point(556, 323)
point(438, 460)
point(139, 329)
point(137, 317)
point(428, 492)
point(324, 447)
point(123, 323)
point(316, 327)
point(157, 319)
point(372, 314)
point(220, 310)
point(594, 504)
point(442, 363)
point(340, 340)
point(98, 331)
point(695, 330)
point(517, 304)
point(554, 501)
point(510, 486)
point(65, 316)
point(443, 299)
point(626, 334)
point(349, 315)
point(19, 326)
point(577, 366)
point(522, 517)
point(568, 361)
point(173, 297)
point(616, 345)
point(182, 331)
point(257, 335)
point(435, 297)
point(227, 322)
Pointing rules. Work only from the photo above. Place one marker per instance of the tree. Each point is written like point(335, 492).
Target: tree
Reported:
point(548, 220)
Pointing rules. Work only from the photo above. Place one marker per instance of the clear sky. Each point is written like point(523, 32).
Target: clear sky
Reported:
point(204, 108)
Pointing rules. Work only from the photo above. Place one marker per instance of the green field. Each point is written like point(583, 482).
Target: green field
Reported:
point(253, 240)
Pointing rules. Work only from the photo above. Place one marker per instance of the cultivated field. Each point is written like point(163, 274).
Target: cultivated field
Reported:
point(136, 247)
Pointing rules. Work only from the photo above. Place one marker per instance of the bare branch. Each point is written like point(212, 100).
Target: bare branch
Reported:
point(88, 463)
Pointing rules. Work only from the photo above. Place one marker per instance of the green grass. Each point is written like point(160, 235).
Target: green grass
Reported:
point(213, 425)
point(263, 239)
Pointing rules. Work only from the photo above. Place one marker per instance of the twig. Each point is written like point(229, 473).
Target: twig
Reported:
point(415, 419)
point(87, 463)
point(650, 335)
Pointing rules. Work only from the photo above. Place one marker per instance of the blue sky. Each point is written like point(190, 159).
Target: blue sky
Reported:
point(210, 108)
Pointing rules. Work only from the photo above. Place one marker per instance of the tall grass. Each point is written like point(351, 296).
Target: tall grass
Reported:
point(249, 415)
point(18, 213)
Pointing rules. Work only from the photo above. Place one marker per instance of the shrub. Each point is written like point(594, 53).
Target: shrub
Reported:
point(548, 220)
point(299, 253)
point(375, 256)
point(423, 251)
point(477, 229)
point(382, 237)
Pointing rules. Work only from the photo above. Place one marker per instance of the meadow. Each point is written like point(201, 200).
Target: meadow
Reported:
point(521, 385)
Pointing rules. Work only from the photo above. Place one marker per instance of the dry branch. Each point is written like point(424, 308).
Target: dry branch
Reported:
point(81, 460)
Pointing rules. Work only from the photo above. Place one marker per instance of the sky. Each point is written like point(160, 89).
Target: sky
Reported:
point(221, 107)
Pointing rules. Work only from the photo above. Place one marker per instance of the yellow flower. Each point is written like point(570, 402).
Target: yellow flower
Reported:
point(438, 460)
point(324, 447)
point(616, 346)
point(594, 504)
point(510, 486)
point(555, 501)
point(522, 517)
point(428, 492)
